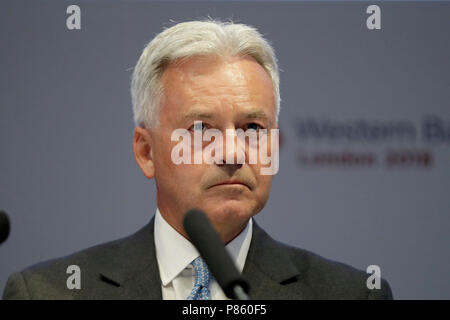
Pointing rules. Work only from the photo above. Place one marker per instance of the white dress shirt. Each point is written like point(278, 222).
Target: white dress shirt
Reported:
point(175, 254)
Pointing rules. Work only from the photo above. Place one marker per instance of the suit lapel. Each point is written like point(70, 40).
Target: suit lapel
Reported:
point(270, 271)
point(131, 267)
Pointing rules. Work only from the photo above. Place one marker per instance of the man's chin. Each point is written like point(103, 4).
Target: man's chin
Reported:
point(229, 212)
point(229, 222)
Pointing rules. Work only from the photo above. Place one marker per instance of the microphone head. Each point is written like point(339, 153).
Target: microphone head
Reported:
point(4, 226)
point(212, 249)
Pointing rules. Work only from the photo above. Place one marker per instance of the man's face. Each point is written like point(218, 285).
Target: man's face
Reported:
point(229, 93)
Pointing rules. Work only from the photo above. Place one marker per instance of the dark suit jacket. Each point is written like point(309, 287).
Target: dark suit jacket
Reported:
point(127, 269)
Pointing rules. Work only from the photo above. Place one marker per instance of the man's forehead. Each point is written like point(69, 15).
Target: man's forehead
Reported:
point(197, 72)
point(213, 92)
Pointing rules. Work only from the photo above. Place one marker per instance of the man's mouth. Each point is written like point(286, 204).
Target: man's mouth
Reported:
point(231, 183)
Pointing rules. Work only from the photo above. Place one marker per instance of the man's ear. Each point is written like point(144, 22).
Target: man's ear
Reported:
point(143, 151)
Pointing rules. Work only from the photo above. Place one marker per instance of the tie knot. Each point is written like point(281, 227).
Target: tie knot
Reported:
point(202, 274)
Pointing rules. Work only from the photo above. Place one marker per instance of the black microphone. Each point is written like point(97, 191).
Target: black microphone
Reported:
point(4, 226)
point(212, 249)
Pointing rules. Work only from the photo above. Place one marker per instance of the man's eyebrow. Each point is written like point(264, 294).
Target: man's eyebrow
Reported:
point(258, 114)
point(198, 114)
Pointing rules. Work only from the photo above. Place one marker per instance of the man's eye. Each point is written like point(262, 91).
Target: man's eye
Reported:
point(254, 126)
point(198, 126)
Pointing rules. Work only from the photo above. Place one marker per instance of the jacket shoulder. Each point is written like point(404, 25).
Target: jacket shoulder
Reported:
point(329, 279)
point(50, 279)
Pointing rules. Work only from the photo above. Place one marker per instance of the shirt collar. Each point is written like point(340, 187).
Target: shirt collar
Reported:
point(174, 252)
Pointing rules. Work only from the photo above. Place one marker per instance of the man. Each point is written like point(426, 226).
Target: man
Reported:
point(200, 77)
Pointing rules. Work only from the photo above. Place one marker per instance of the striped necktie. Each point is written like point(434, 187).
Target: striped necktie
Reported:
point(202, 279)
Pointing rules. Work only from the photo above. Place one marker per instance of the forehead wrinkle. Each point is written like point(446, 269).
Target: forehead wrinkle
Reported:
point(247, 106)
point(222, 95)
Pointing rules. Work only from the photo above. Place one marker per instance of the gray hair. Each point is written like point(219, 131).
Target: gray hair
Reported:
point(188, 39)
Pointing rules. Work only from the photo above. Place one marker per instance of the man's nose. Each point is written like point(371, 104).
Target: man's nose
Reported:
point(233, 149)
